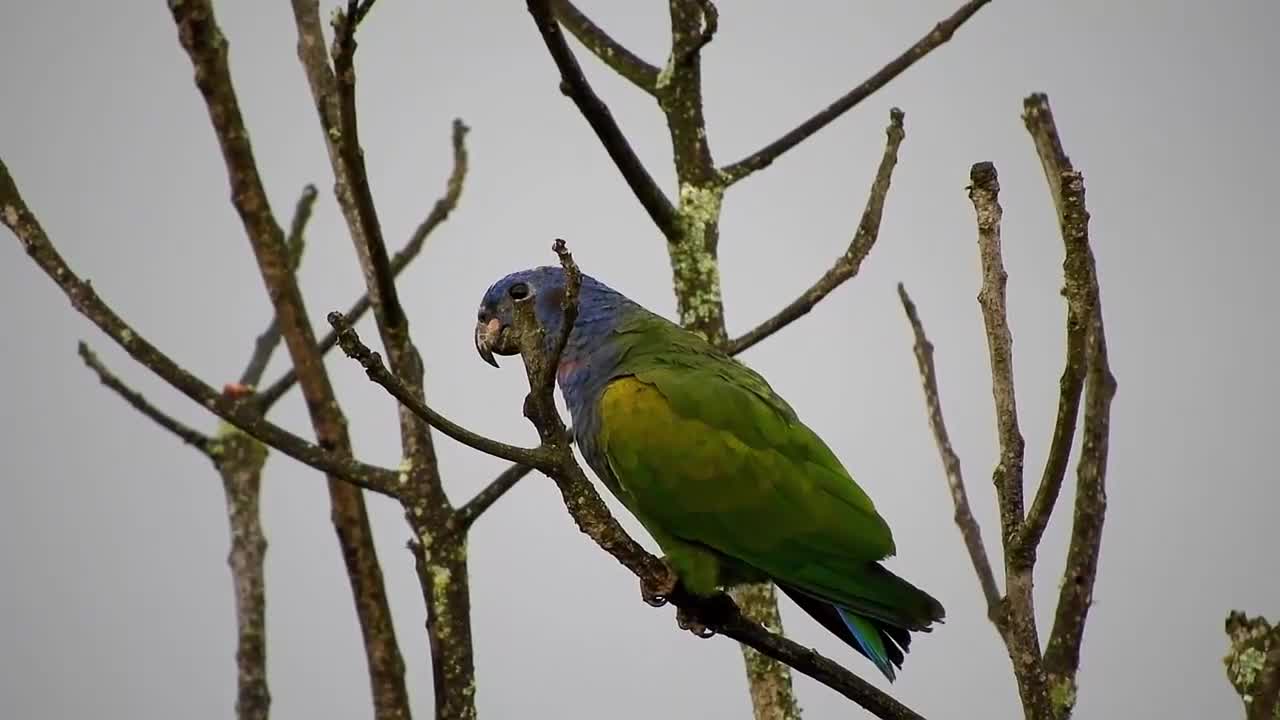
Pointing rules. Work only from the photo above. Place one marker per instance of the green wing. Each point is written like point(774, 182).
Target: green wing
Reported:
point(705, 452)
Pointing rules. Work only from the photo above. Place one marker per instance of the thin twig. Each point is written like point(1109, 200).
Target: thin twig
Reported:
point(609, 51)
point(15, 215)
point(440, 212)
point(964, 519)
point(940, 33)
point(849, 263)
point(186, 433)
point(378, 373)
point(295, 243)
point(574, 84)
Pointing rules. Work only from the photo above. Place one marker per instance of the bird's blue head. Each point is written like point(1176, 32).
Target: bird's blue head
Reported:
point(544, 287)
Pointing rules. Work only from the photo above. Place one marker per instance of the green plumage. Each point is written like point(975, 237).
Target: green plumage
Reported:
point(721, 471)
point(734, 487)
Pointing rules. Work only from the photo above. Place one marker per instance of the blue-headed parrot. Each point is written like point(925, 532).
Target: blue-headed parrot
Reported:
point(715, 465)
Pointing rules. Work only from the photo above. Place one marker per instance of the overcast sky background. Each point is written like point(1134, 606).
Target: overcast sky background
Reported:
point(116, 602)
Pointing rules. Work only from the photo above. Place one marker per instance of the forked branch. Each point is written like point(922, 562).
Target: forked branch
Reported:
point(554, 457)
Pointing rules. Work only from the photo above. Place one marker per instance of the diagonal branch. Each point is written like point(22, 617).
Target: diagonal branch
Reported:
point(848, 264)
point(574, 84)
point(609, 51)
point(295, 243)
point(439, 212)
point(940, 34)
point(186, 433)
point(16, 216)
point(968, 524)
point(204, 42)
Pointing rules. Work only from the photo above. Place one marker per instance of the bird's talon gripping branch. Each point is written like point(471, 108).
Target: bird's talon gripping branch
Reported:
point(657, 592)
point(689, 619)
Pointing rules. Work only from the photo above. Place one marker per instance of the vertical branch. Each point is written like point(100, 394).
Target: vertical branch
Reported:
point(1087, 366)
point(439, 544)
point(204, 42)
point(984, 191)
point(239, 459)
point(1017, 621)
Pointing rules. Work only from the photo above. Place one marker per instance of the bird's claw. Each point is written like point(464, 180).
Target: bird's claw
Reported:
point(687, 620)
point(658, 592)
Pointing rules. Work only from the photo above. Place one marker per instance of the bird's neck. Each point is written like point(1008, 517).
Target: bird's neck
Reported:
point(592, 352)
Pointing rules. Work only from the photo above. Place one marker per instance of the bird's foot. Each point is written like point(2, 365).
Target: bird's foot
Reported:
point(657, 592)
point(688, 619)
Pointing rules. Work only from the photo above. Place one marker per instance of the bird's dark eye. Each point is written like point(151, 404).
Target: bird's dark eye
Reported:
point(519, 291)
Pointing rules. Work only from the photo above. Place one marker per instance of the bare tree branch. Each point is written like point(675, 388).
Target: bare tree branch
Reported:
point(709, 25)
point(1080, 290)
point(18, 218)
point(207, 47)
point(1017, 622)
point(184, 432)
point(1062, 654)
point(269, 340)
point(968, 524)
point(609, 51)
point(240, 459)
point(680, 97)
point(940, 34)
point(574, 84)
point(440, 212)
point(849, 263)
point(984, 192)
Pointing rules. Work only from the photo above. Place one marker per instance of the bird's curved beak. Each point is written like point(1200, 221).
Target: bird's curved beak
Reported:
point(487, 336)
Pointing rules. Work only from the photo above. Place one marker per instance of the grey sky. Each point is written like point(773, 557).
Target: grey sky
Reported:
point(116, 601)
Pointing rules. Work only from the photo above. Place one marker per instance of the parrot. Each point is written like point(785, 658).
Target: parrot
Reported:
point(716, 466)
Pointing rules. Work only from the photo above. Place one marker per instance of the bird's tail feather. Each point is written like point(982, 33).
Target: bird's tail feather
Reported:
point(884, 644)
